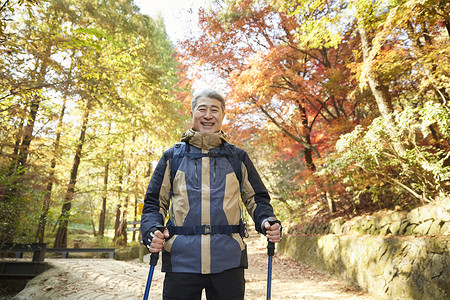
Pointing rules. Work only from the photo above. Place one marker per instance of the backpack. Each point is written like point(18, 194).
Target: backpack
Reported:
point(228, 150)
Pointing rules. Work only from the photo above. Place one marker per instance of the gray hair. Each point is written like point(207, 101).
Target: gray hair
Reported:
point(208, 93)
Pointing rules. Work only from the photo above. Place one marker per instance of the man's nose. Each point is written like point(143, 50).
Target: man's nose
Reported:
point(208, 114)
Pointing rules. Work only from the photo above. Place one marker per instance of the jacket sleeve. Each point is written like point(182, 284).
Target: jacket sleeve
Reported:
point(157, 197)
point(254, 194)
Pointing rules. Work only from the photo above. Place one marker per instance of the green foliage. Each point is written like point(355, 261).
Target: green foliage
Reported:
point(435, 113)
point(98, 59)
point(368, 162)
point(19, 207)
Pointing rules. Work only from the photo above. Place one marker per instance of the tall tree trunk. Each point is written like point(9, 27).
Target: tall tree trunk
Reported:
point(117, 223)
point(102, 219)
point(121, 234)
point(93, 227)
point(48, 193)
point(28, 132)
point(34, 108)
point(123, 222)
point(135, 216)
point(379, 90)
point(307, 137)
point(63, 221)
point(14, 156)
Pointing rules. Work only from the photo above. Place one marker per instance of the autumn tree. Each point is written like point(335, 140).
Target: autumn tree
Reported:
point(104, 75)
point(275, 83)
point(395, 157)
point(24, 75)
point(127, 76)
point(307, 72)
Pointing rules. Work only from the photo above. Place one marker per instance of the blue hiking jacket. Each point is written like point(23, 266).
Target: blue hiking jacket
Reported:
point(205, 193)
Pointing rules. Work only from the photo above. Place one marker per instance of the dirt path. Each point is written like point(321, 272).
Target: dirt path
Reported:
point(112, 279)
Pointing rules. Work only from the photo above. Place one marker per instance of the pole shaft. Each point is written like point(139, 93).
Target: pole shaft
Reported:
point(149, 282)
point(269, 278)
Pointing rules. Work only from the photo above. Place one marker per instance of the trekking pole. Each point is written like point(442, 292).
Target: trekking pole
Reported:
point(153, 262)
point(270, 253)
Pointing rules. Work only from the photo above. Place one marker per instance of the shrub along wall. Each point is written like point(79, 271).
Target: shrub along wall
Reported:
point(376, 253)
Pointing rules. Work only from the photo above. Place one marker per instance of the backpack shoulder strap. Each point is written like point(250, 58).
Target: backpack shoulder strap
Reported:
point(178, 152)
point(235, 161)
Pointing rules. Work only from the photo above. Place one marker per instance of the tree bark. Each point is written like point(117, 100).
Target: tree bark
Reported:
point(34, 108)
point(135, 216)
point(28, 133)
point(102, 219)
point(93, 227)
point(307, 136)
point(121, 235)
point(14, 156)
point(118, 224)
point(63, 221)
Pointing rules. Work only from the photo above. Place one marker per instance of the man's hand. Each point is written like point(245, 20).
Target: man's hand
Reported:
point(273, 232)
point(155, 242)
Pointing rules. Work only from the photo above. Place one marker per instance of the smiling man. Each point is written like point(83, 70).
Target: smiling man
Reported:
point(200, 183)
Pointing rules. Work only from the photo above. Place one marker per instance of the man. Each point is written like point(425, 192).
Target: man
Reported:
point(199, 182)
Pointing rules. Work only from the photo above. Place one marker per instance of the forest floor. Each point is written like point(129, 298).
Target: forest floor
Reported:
point(113, 279)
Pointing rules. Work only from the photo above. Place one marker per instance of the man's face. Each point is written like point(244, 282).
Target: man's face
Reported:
point(207, 116)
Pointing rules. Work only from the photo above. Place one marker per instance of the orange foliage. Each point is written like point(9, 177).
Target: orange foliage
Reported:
point(292, 97)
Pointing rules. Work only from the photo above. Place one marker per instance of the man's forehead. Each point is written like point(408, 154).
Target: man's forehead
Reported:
point(203, 101)
point(207, 104)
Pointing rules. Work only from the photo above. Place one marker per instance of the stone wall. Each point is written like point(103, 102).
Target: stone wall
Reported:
point(426, 220)
point(376, 254)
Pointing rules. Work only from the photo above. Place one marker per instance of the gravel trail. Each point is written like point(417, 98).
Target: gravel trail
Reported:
point(111, 279)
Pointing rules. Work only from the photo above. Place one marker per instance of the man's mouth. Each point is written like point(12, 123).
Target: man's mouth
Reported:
point(207, 124)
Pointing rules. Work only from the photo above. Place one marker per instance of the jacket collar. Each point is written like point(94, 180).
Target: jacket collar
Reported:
point(204, 141)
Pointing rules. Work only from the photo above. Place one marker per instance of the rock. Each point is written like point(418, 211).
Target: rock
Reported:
point(413, 216)
point(435, 227)
point(445, 229)
point(394, 227)
point(423, 228)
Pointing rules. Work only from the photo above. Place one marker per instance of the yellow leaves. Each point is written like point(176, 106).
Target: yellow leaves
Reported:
point(134, 50)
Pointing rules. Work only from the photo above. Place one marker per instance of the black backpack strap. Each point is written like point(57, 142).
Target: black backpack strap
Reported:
point(207, 229)
point(235, 161)
point(228, 150)
point(174, 163)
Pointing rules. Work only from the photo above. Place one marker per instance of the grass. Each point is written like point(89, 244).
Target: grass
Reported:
point(81, 235)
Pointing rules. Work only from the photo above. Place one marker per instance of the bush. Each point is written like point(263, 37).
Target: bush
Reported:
point(368, 163)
